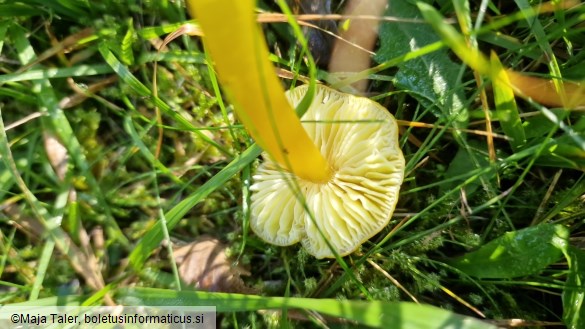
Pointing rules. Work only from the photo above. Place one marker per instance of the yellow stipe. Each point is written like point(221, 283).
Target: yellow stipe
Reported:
point(240, 53)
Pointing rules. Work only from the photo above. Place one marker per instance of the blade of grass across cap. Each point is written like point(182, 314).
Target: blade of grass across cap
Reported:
point(506, 108)
point(239, 50)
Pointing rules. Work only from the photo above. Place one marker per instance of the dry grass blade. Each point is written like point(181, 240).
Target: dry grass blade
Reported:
point(24, 120)
point(393, 280)
point(545, 199)
point(82, 94)
point(462, 301)
point(417, 124)
point(59, 47)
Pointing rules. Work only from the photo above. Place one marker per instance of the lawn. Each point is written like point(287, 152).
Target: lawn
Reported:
point(128, 165)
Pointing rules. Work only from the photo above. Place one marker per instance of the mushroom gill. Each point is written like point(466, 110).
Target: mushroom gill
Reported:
point(359, 140)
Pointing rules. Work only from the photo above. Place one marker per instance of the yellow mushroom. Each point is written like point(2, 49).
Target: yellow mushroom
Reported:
point(359, 139)
point(341, 169)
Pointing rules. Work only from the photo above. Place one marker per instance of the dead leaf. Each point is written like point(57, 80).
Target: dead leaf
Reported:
point(203, 263)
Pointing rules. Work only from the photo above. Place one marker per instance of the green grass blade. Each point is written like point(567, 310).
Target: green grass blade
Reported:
point(3, 28)
point(50, 73)
point(153, 32)
point(44, 261)
point(126, 53)
point(506, 108)
point(574, 292)
point(375, 314)
point(137, 140)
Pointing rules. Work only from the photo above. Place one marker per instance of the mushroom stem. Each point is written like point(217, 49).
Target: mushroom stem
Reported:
point(239, 50)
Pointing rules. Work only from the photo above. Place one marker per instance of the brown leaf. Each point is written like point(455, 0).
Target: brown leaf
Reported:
point(204, 264)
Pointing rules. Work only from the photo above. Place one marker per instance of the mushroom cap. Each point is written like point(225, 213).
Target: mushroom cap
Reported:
point(359, 139)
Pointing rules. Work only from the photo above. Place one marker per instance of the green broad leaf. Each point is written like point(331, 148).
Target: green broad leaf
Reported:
point(515, 254)
point(375, 314)
point(433, 78)
point(574, 292)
